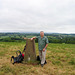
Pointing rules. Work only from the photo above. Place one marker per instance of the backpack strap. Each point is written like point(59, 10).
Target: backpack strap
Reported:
point(17, 52)
point(24, 48)
point(12, 60)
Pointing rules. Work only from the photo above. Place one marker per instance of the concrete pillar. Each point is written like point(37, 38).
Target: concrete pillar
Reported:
point(30, 52)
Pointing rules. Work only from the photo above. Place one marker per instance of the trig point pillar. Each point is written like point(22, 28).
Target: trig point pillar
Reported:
point(30, 53)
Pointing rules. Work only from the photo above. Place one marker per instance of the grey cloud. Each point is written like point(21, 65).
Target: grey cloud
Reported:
point(36, 15)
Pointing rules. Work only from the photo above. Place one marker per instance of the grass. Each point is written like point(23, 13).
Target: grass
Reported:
point(60, 60)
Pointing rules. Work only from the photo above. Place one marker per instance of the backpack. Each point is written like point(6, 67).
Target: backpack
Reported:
point(17, 59)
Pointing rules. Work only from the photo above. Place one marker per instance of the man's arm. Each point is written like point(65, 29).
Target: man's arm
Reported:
point(45, 47)
point(33, 38)
point(46, 44)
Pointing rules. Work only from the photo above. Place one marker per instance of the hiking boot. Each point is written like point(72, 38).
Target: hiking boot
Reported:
point(45, 62)
point(42, 65)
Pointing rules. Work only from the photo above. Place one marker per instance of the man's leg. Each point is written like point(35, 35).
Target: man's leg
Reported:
point(40, 54)
point(43, 57)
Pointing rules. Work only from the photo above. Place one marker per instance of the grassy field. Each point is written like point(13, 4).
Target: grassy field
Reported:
point(60, 60)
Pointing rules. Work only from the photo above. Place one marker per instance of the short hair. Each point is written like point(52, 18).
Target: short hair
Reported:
point(41, 31)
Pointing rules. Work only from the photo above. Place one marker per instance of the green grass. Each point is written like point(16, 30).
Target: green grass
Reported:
point(60, 60)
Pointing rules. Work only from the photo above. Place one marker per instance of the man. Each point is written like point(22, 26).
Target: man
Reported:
point(42, 45)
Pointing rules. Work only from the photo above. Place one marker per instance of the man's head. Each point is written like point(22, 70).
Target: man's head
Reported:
point(41, 33)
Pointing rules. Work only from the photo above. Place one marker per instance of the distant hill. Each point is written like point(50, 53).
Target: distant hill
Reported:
point(52, 37)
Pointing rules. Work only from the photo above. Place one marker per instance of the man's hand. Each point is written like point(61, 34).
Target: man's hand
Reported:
point(31, 38)
point(43, 49)
point(24, 38)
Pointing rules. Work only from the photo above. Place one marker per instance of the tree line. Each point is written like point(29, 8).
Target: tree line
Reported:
point(52, 37)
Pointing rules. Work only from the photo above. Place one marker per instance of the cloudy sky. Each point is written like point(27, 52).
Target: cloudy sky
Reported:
point(56, 16)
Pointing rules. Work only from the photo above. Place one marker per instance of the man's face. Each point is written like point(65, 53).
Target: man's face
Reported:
point(41, 34)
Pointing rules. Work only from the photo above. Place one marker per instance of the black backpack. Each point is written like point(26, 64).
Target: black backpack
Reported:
point(17, 59)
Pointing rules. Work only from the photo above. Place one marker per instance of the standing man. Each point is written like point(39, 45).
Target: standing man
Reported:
point(42, 45)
